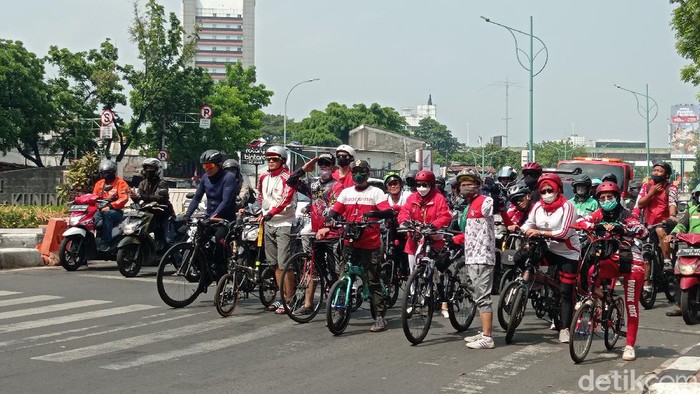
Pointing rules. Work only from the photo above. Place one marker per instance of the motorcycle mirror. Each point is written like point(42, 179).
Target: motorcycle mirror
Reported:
point(189, 195)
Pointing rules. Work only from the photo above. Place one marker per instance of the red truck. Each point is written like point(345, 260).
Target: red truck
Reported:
point(598, 167)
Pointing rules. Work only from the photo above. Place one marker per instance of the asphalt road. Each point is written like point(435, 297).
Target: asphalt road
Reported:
point(95, 331)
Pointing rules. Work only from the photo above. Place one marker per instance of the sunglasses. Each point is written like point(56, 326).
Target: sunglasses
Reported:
point(274, 159)
point(393, 183)
point(422, 184)
point(546, 191)
point(324, 163)
point(606, 198)
point(208, 166)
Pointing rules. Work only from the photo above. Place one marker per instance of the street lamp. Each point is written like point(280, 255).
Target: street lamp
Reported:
point(529, 67)
point(285, 106)
point(645, 114)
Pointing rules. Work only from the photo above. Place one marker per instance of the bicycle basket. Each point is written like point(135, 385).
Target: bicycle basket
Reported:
point(533, 250)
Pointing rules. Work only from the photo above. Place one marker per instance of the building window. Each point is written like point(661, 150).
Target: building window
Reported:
point(213, 48)
point(228, 37)
point(228, 49)
point(214, 15)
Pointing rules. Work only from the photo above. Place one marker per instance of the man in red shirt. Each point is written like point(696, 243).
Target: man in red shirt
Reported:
point(344, 155)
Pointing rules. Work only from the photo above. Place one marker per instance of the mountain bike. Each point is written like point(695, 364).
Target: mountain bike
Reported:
point(662, 278)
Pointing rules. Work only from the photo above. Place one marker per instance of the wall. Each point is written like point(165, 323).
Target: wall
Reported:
point(32, 186)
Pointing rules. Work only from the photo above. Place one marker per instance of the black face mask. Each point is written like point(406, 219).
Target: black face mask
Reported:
point(150, 174)
point(344, 161)
point(108, 176)
point(658, 179)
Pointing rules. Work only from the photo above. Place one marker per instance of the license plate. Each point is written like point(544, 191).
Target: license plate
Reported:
point(688, 252)
point(78, 208)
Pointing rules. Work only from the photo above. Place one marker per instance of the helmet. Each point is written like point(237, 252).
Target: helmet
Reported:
point(107, 165)
point(440, 183)
point(453, 182)
point(666, 166)
point(532, 166)
point(411, 178)
point(276, 150)
point(345, 148)
point(360, 164)
point(327, 157)
point(551, 178)
point(581, 179)
point(211, 156)
point(608, 187)
point(391, 176)
point(426, 176)
point(596, 181)
point(469, 174)
point(155, 164)
point(506, 172)
point(231, 165)
point(520, 189)
point(635, 184)
point(609, 177)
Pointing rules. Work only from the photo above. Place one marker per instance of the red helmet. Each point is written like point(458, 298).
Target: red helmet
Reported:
point(532, 166)
point(554, 178)
point(607, 187)
point(425, 176)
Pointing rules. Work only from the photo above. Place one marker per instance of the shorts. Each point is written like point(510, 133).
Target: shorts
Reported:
point(480, 285)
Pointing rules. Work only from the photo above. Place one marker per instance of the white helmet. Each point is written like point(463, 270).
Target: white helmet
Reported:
point(345, 148)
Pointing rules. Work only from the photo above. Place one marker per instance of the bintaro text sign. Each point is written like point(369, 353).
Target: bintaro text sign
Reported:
point(684, 131)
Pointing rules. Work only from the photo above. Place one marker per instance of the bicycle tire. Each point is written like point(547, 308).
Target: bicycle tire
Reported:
point(461, 308)
point(267, 288)
point(581, 332)
point(298, 266)
point(227, 294)
point(614, 323)
point(505, 304)
point(648, 298)
point(338, 308)
point(516, 316)
point(391, 283)
point(419, 297)
point(507, 277)
point(182, 267)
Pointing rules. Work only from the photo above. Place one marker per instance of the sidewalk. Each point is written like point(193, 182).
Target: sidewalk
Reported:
point(18, 247)
point(679, 376)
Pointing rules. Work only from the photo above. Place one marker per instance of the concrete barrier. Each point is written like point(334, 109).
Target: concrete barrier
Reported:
point(20, 258)
point(21, 240)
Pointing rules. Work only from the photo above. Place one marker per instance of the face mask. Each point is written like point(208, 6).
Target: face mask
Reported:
point(423, 191)
point(658, 179)
point(467, 190)
point(109, 176)
point(608, 205)
point(149, 174)
point(360, 177)
point(549, 198)
point(344, 161)
point(325, 175)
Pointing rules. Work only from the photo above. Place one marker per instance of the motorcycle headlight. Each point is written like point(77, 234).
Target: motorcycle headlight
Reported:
point(687, 269)
point(129, 228)
point(74, 220)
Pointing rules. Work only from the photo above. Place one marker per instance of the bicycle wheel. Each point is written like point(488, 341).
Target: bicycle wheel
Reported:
point(648, 298)
point(418, 306)
point(227, 294)
point(391, 283)
point(506, 278)
point(582, 331)
point(517, 313)
point(307, 277)
point(338, 307)
point(614, 323)
point(505, 304)
point(267, 289)
point(356, 294)
point(179, 279)
point(461, 308)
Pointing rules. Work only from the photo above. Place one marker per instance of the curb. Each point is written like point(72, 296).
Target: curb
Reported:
point(680, 376)
point(20, 258)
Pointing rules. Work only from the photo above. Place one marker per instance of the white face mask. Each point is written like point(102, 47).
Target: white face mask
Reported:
point(423, 191)
point(549, 198)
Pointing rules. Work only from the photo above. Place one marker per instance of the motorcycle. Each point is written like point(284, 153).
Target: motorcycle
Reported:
point(81, 241)
point(687, 270)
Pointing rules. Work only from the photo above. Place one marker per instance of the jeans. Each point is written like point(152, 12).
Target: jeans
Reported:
point(109, 219)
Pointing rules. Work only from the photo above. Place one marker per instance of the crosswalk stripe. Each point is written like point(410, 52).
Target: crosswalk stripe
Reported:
point(203, 347)
point(28, 300)
point(137, 279)
point(132, 342)
point(7, 293)
point(73, 318)
point(51, 308)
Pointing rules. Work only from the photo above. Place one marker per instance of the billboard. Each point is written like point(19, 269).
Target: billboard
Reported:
point(684, 131)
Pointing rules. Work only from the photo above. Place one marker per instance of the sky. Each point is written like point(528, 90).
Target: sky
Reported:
point(397, 52)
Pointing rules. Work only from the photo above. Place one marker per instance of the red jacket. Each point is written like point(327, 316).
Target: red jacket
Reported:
point(431, 209)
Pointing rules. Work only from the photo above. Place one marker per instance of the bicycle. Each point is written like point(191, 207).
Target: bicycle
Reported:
point(661, 278)
point(241, 276)
point(542, 288)
point(341, 298)
point(600, 308)
point(394, 266)
point(420, 298)
point(511, 271)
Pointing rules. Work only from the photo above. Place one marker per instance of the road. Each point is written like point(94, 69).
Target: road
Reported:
point(94, 331)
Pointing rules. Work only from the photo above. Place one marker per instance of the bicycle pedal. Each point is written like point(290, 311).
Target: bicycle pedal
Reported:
point(623, 334)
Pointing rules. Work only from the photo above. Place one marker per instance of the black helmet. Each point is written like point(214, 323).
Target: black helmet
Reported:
point(635, 184)
point(666, 166)
point(151, 168)
point(211, 156)
point(440, 183)
point(518, 190)
point(411, 178)
point(581, 179)
point(231, 165)
point(609, 177)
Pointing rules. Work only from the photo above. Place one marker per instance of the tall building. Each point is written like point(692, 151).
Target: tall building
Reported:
point(422, 111)
point(227, 32)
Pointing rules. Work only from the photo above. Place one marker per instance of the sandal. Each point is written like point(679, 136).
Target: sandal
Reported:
point(280, 310)
point(274, 306)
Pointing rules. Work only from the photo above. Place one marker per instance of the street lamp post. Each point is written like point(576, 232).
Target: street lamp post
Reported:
point(529, 67)
point(285, 106)
point(645, 114)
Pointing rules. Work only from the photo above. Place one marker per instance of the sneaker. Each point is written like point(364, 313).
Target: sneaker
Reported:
point(675, 312)
point(409, 310)
point(553, 327)
point(445, 313)
point(564, 336)
point(379, 325)
point(479, 335)
point(303, 311)
point(104, 246)
point(628, 354)
point(280, 310)
point(483, 343)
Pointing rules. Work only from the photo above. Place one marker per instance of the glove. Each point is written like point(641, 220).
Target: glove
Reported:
point(267, 217)
point(458, 239)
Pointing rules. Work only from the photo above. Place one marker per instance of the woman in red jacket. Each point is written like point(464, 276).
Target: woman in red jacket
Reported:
point(426, 205)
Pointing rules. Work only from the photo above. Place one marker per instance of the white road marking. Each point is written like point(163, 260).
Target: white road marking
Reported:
point(505, 368)
point(7, 293)
point(127, 343)
point(73, 318)
point(51, 308)
point(204, 347)
point(28, 300)
point(137, 279)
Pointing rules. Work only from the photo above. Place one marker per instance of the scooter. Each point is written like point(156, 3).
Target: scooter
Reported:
point(687, 269)
point(82, 239)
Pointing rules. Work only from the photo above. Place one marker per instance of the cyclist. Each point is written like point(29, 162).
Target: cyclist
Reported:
point(478, 236)
point(531, 173)
point(520, 198)
point(396, 196)
point(506, 177)
point(552, 217)
point(354, 204)
point(411, 180)
point(244, 194)
point(455, 199)
point(658, 198)
point(582, 200)
point(632, 194)
point(154, 188)
point(627, 261)
point(440, 184)
point(278, 212)
point(113, 213)
point(345, 155)
point(595, 182)
point(220, 188)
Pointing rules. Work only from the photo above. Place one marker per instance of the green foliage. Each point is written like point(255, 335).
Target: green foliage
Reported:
point(685, 21)
point(548, 153)
point(441, 141)
point(493, 155)
point(17, 216)
point(80, 178)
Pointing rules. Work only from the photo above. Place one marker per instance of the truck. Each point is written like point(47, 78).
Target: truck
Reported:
point(598, 167)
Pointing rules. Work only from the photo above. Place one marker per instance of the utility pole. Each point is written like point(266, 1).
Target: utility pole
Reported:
point(507, 84)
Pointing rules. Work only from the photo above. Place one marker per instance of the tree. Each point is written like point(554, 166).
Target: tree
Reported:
point(493, 155)
point(548, 153)
point(439, 137)
point(273, 128)
point(25, 109)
